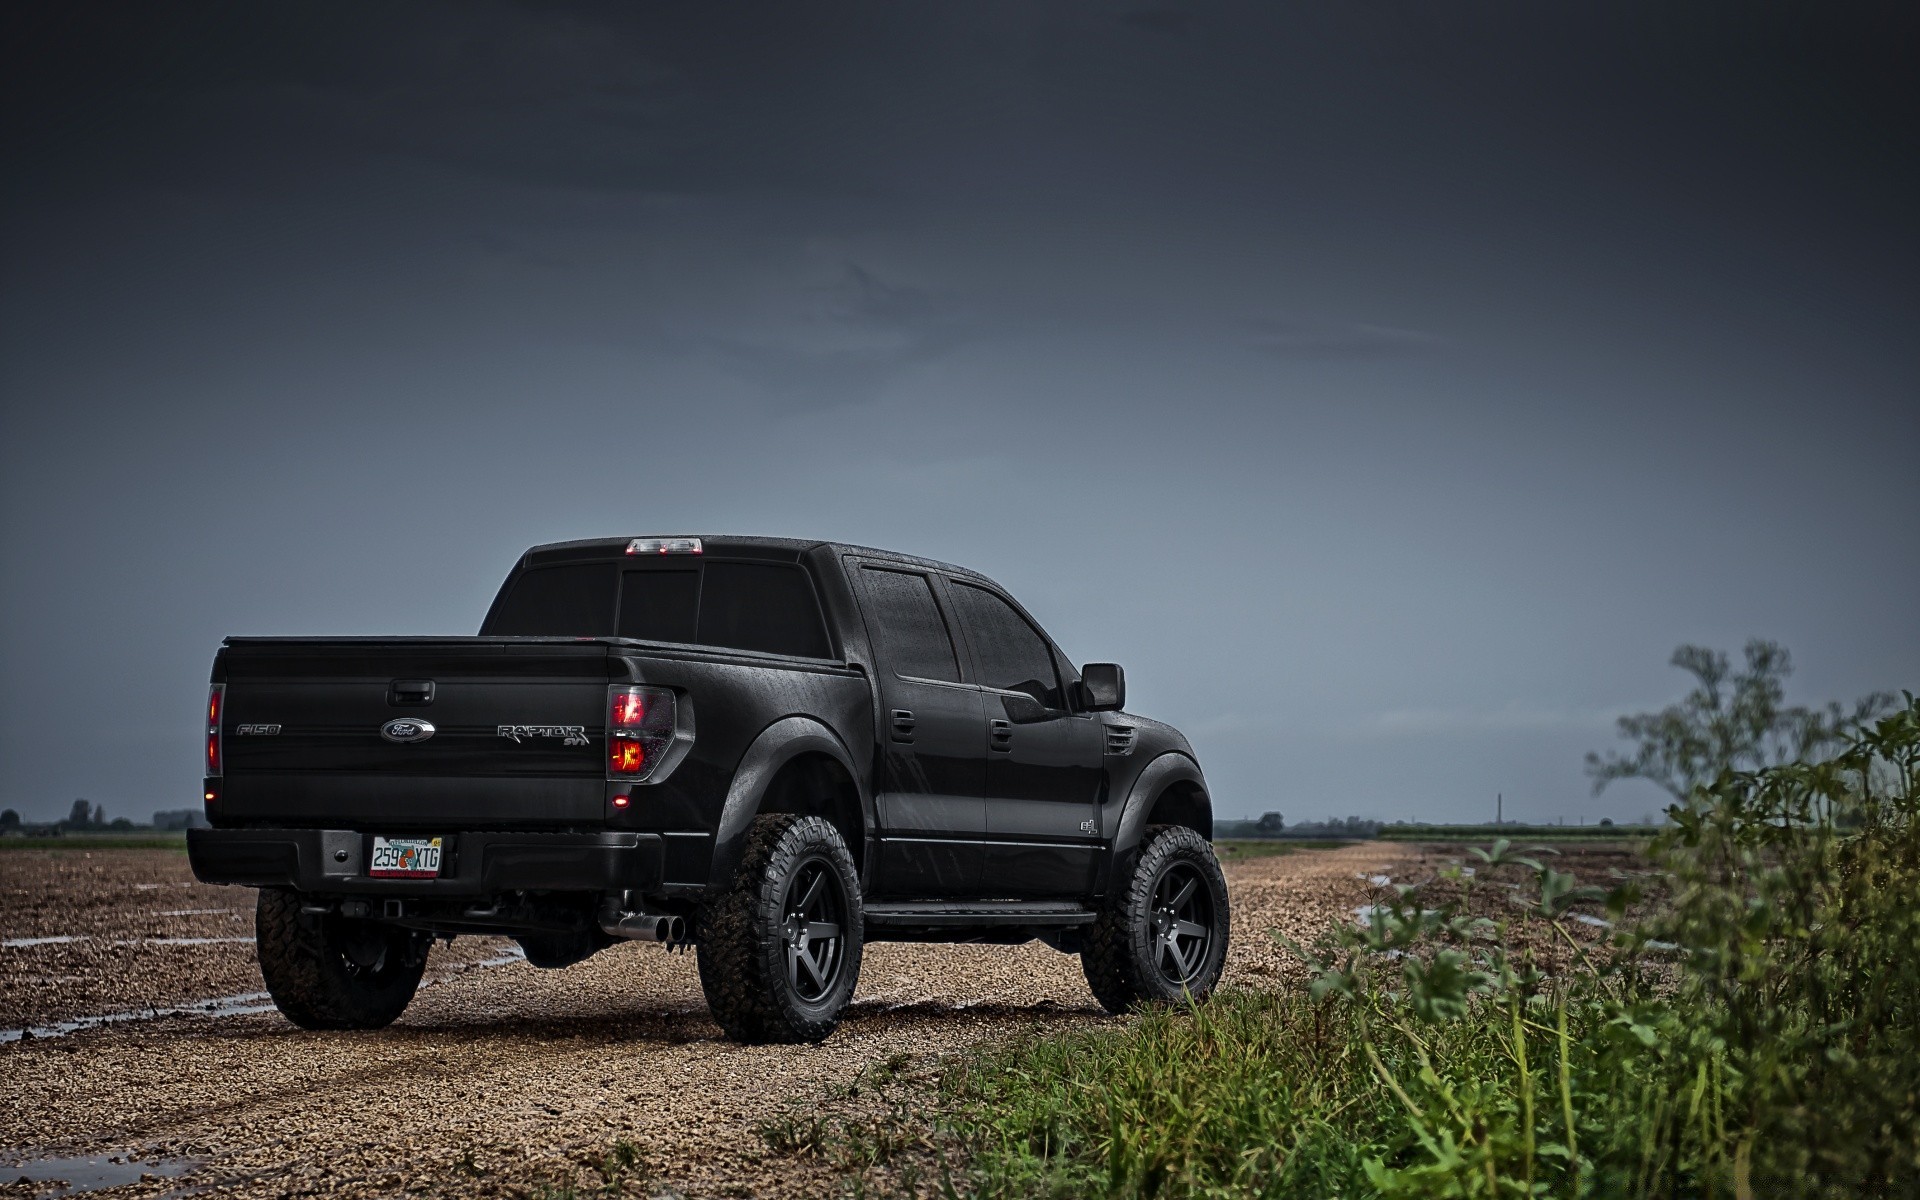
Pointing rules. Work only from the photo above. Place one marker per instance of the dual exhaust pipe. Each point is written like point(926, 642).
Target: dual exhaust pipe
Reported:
point(645, 926)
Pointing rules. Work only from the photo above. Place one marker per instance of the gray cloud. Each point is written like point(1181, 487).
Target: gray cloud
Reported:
point(1287, 338)
point(860, 296)
point(1160, 20)
point(846, 341)
point(1390, 387)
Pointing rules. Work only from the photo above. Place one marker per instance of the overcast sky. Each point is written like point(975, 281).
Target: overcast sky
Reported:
point(1390, 387)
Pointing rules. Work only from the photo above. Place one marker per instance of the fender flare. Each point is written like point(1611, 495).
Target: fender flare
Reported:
point(1155, 778)
point(776, 746)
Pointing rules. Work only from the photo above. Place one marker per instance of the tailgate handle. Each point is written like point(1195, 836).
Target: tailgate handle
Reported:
point(410, 691)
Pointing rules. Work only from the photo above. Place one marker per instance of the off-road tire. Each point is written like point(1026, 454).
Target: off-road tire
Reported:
point(746, 934)
point(1124, 956)
point(329, 972)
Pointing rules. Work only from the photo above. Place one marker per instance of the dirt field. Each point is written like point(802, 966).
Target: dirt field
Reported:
point(500, 1078)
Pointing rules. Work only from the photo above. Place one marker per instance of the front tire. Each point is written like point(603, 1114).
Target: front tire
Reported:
point(779, 951)
point(1162, 935)
point(330, 972)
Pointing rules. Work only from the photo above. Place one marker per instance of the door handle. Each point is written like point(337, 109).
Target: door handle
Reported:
point(410, 691)
point(1000, 735)
point(902, 725)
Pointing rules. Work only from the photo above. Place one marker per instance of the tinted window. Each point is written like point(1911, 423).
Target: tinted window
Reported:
point(659, 606)
point(761, 606)
point(768, 607)
point(571, 601)
point(914, 636)
point(1009, 653)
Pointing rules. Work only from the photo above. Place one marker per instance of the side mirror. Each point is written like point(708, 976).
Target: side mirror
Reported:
point(1023, 709)
point(1103, 687)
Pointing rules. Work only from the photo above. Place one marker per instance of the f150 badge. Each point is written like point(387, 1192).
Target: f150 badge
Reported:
point(572, 735)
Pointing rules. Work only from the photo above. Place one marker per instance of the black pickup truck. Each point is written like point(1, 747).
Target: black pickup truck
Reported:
point(772, 750)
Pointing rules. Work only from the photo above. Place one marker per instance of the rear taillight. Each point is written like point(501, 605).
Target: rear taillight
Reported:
point(640, 723)
point(216, 697)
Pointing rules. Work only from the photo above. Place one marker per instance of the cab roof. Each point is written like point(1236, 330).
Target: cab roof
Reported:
point(731, 545)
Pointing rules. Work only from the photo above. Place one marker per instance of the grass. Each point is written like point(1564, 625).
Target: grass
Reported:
point(1233, 849)
point(876, 1136)
point(153, 840)
point(1757, 1034)
point(622, 1171)
point(1257, 1094)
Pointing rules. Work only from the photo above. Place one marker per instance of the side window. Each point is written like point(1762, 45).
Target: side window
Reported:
point(1009, 653)
point(909, 624)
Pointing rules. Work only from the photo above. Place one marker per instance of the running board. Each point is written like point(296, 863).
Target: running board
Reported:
point(979, 914)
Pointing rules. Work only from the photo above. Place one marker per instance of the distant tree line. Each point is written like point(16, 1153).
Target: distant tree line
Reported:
point(1274, 825)
point(88, 817)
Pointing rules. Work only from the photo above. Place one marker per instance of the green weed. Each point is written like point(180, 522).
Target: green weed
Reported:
point(1759, 1035)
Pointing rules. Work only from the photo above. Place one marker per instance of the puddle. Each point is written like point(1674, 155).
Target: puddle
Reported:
point(223, 1006)
point(90, 1173)
point(21, 943)
point(244, 1004)
point(196, 912)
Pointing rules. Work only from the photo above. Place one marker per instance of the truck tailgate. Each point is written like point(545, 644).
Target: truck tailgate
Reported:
point(302, 728)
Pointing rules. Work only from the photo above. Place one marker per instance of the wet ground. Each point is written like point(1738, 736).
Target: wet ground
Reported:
point(148, 1048)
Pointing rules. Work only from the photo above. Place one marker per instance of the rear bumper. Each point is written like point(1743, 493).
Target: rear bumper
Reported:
point(475, 864)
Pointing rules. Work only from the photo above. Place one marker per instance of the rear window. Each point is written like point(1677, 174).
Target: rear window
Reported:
point(759, 606)
point(570, 601)
point(660, 606)
point(734, 605)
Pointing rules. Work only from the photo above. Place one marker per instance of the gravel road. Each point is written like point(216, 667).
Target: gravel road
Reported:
point(500, 1076)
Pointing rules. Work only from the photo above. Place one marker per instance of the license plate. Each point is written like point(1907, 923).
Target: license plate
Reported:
point(405, 858)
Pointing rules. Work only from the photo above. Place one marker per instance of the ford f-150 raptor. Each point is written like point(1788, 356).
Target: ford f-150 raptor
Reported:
point(772, 750)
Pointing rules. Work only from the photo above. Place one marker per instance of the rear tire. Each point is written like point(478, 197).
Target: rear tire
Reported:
point(329, 972)
point(779, 951)
point(1162, 935)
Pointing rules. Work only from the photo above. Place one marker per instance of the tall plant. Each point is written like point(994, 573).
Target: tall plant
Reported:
point(1730, 721)
point(1758, 1035)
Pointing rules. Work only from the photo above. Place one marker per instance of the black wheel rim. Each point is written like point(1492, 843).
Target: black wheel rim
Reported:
point(814, 930)
point(1182, 924)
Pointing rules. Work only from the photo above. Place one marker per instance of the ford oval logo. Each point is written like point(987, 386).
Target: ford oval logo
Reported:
point(407, 729)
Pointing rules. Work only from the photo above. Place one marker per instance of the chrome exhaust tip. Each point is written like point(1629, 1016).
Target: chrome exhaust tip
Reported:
point(646, 927)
